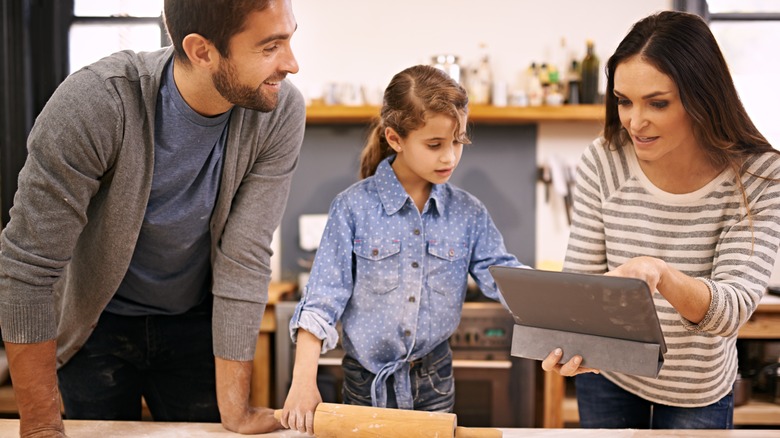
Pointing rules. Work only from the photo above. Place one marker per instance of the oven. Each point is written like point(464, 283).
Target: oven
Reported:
point(492, 388)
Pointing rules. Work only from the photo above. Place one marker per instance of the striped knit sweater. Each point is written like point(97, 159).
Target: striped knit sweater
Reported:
point(619, 214)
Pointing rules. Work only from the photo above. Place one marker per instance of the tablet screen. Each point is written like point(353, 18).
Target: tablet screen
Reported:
point(592, 304)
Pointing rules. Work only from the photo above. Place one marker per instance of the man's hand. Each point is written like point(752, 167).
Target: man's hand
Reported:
point(44, 433)
point(34, 376)
point(233, 384)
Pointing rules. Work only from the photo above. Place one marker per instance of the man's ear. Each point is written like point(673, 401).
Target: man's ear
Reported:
point(199, 50)
point(393, 139)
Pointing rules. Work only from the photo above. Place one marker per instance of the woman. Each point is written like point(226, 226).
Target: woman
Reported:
point(682, 193)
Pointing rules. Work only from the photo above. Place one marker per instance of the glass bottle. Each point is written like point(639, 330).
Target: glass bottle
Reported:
point(482, 82)
point(589, 87)
point(535, 91)
point(573, 83)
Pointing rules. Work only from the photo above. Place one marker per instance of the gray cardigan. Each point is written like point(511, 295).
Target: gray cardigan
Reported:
point(83, 193)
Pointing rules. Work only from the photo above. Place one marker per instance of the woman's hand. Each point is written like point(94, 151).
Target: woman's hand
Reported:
point(570, 368)
point(687, 295)
point(649, 269)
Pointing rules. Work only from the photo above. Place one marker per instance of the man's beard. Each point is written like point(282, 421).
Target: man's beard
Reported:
point(226, 82)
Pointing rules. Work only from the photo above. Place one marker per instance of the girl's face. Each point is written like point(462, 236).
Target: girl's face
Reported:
point(651, 111)
point(430, 153)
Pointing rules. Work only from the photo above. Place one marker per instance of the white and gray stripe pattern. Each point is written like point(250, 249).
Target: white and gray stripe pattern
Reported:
point(619, 214)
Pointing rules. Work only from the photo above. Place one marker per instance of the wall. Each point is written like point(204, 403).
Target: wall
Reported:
point(366, 42)
point(563, 142)
point(498, 168)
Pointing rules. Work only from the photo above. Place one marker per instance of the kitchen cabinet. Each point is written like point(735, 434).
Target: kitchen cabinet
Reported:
point(560, 407)
point(485, 114)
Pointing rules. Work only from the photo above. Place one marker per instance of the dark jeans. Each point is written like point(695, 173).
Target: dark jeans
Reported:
point(168, 360)
point(602, 404)
point(433, 386)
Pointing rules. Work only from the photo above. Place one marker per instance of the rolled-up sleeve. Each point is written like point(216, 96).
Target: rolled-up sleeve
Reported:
point(330, 283)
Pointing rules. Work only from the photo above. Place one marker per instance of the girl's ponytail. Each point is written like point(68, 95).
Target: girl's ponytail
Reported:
point(375, 150)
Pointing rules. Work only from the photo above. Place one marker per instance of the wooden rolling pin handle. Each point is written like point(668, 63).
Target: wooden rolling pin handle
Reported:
point(477, 432)
point(460, 432)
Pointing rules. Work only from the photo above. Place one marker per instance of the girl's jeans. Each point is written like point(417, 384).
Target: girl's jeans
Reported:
point(433, 386)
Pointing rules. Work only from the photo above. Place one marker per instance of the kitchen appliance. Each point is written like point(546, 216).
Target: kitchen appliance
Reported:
point(492, 388)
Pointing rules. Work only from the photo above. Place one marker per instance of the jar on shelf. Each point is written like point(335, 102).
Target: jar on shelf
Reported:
point(448, 64)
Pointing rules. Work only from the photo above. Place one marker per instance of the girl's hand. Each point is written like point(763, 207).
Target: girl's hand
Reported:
point(298, 412)
point(570, 368)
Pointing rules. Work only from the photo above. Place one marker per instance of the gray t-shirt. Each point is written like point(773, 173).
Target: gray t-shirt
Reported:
point(170, 271)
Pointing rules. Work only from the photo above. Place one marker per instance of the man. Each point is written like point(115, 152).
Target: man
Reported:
point(142, 225)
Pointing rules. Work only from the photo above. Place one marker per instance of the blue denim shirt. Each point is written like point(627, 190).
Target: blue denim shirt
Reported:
point(395, 277)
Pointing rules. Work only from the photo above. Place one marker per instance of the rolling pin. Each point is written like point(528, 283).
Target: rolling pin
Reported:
point(332, 420)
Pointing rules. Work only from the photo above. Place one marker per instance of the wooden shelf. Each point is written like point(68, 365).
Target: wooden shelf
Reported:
point(765, 321)
point(757, 412)
point(339, 114)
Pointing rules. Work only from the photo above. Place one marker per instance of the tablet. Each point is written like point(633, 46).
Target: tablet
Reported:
point(610, 321)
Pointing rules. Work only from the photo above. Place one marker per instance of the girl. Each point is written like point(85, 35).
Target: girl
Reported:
point(682, 193)
point(394, 259)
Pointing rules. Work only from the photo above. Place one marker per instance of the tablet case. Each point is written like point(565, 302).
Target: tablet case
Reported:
point(610, 321)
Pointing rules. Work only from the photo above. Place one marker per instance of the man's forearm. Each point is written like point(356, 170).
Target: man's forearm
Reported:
point(233, 386)
point(34, 377)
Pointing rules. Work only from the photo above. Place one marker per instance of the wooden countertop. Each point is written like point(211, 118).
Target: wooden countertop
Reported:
point(142, 429)
point(340, 114)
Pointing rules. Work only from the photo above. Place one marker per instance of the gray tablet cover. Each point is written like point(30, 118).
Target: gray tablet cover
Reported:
point(610, 321)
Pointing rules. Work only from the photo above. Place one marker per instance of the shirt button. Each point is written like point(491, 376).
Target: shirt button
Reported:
point(452, 252)
point(411, 299)
point(415, 265)
point(407, 333)
point(375, 252)
point(416, 231)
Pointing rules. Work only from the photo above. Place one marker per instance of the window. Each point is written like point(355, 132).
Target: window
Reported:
point(747, 32)
point(102, 27)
